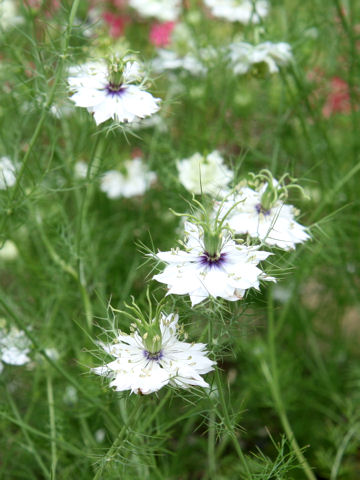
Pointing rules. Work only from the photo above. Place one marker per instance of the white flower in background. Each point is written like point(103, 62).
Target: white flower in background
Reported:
point(243, 11)
point(8, 251)
point(183, 54)
point(80, 169)
point(171, 60)
point(145, 363)
point(162, 10)
point(227, 271)
point(14, 346)
point(108, 91)
point(204, 173)
point(7, 173)
point(70, 396)
point(100, 435)
point(273, 224)
point(244, 56)
point(8, 15)
point(135, 180)
point(155, 121)
point(62, 109)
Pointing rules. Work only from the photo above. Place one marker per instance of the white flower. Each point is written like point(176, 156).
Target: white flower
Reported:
point(227, 274)
point(162, 10)
point(7, 173)
point(171, 60)
point(14, 346)
point(120, 100)
point(244, 56)
point(184, 54)
point(8, 251)
point(156, 122)
point(135, 368)
point(204, 174)
point(243, 11)
point(8, 17)
point(274, 226)
point(80, 169)
point(135, 181)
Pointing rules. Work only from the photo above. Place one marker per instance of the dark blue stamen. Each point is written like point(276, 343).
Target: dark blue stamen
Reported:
point(260, 209)
point(211, 261)
point(114, 90)
point(153, 356)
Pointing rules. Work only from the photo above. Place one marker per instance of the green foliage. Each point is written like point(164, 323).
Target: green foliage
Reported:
point(284, 400)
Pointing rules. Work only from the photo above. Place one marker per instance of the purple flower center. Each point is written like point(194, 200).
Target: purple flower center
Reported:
point(153, 356)
point(260, 209)
point(211, 261)
point(114, 90)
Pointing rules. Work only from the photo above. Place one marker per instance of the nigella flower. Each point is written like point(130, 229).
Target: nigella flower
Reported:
point(153, 356)
point(262, 214)
point(14, 346)
point(8, 15)
point(245, 57)
point(108, 90)
point(7, 173)
point(204, 173)
point(163, 10)
point(211, 265)
point(181, 54)
point(134, 180)
point(243, 11)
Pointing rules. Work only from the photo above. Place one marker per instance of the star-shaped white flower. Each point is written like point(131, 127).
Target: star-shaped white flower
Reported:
point(243, 11)
point(123, 101)
point(171, 60)
point(204, 174)
point(135, 180)
point(162, 10)
point(14, 346)
point(195, 272)
point(275, 226)
point(7, 173)
point(244, 56)
point(8, 15)
point(177, 363)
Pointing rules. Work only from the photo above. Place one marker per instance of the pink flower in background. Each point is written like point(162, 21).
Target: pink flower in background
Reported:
point(338, 100)
point(116, 23)
point(160, 33)
point(50, 7)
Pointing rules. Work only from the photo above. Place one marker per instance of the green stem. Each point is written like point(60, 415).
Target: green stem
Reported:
point(49, 101)
point(114, 447)
point(50, 395)
point(75, 382)
point(226, 417)
point(271, 375)
point(211, 445)
point(25, 433)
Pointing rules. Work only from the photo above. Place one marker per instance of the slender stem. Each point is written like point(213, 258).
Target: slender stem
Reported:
point(25, 433)
point(75, 382)
point(271, 375)
point(50, 395)
point(229, 427)
point(49, 101)
point(224, 407)
point(211, 444)
point(114, 447)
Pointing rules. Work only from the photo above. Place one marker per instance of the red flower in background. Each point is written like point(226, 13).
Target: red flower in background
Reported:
point(338, 99)
point(116, 23)
point(160, 33)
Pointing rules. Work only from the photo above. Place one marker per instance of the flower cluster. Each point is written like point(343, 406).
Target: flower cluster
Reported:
point(223, 252)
